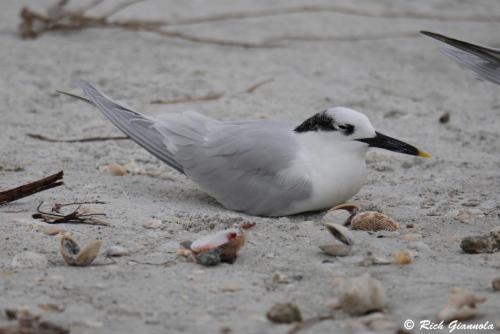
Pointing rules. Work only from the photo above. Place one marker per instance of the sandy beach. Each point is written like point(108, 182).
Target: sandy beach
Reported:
point(288, 60)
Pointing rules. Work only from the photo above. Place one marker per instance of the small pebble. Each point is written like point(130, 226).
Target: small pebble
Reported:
point(496, 284)
point(444, 118)
point(115, 169)
point(402, 257)
point(284, 313)
point(209, 258)
point(280, 278)
point(53, 230)
point(116, 251)
point(152, 224)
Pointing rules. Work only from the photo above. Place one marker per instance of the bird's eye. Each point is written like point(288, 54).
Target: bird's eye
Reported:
point(347, 129)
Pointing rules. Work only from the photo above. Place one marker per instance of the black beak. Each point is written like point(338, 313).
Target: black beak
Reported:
point(392, 144)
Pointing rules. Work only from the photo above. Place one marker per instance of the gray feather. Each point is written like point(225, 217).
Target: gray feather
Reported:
point(137, 126)
point(484, 61)
point(241, 164)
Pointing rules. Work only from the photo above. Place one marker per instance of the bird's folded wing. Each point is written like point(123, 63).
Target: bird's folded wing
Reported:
point(247, 166)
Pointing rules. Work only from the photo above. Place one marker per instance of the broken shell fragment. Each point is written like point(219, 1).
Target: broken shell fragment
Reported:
point(74, 256)
point(361, 295)
point(222, 246)
point(461, 305)
point(340, 232)
point(371, 259)
point(284, 313)
point(337, 249)
point(402, 257)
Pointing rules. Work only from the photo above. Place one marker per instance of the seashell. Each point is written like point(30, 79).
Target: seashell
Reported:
point(373, 221)
point(402, 257)
point(340, 232)
point(284, 313)
point(366, 220)
point(338, 249)
point(115, 169)
point(74, 256)
point(496, 284)
point(115, 251)
point(360, 295)
point(461, 305)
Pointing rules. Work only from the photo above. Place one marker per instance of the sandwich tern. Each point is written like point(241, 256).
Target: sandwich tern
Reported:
point(263, 167)
point(484, 61)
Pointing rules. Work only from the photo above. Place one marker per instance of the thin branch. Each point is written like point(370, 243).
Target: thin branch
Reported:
point(79, 140)
point(253, 87)
point(185, 99)
point(25, 190)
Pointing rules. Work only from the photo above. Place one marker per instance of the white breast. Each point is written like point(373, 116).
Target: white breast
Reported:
point(336, 169)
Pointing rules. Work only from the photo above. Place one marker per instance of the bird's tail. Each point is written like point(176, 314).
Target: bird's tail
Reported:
point(137, 126)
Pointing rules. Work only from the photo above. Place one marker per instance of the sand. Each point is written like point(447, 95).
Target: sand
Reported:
point(361, 59)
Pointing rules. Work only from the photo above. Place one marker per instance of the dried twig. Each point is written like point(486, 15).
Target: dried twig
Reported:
point(253, 87)
point(25, 190)
point(59, 18)
point(333, 9)
point(308, 323)
point(79, 140)
point(78, 216)
point(185, 99)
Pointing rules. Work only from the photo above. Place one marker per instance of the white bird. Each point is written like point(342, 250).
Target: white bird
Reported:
point(263, 167)
point(484, 61)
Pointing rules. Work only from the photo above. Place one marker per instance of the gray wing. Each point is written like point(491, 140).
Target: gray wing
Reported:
point(482, 60)
point(137, 126)
point(244, 165)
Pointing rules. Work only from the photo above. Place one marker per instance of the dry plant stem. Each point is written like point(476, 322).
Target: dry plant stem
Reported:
point(79, 140)
point(333, 9)
point(186, 99)
point(75, 217)
point(253, 87)
point(25, 190)
point(308, 323)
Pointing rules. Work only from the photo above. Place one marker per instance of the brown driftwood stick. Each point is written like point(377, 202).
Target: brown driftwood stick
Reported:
point(25, 190)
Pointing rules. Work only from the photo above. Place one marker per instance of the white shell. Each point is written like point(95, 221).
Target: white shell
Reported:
point(115, 251)
point(341, 233)
point(214, 240)
point(338, 249)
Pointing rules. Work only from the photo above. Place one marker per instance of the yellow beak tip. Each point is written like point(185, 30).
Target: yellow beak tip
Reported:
point(423, 154)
